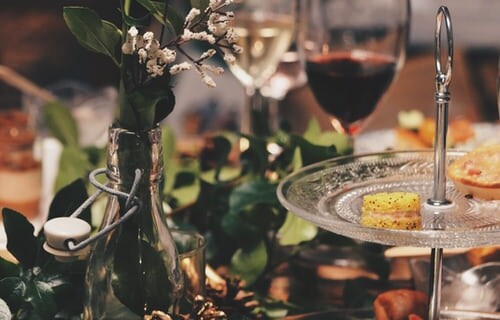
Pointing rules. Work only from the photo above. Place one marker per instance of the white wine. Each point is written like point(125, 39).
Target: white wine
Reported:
point(264, 41)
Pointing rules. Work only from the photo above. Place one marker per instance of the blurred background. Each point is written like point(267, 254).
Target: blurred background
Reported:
point(37, 45)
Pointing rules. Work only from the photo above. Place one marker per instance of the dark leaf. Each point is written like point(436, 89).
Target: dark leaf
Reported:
point(255, 158)
point(68, 199)
point(21, 241)
point(13, 290)
point(143, 21)
point(164, 105)
point(200, 4)
point(312, 153)
point(41, 297)
point(133, 290)
point(8, 269)
point(222, 148)
point(241, 231)
point(91, 32)
point(253, 192)
point(61, 123)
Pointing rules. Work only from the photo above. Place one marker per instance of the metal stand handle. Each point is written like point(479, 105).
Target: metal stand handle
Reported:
point(438, 200)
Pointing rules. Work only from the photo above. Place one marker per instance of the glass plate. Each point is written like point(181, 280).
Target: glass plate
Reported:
point(330, 193)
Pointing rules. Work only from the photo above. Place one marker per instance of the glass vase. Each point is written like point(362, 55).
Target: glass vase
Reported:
point(134, 270)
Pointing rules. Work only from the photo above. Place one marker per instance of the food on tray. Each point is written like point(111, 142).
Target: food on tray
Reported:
point(414, 131)
point(478, 172)
point(400, 304)
point(392, 210)
point(20, 172)
point(477, 256)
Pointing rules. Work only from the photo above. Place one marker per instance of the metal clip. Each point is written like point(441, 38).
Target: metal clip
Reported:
point(68, 237)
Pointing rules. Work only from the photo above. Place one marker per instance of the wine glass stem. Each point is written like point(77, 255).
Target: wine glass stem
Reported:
point(259, 117)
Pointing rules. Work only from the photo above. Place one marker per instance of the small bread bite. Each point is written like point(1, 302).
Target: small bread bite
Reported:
point(477, 173)
point(392, 210)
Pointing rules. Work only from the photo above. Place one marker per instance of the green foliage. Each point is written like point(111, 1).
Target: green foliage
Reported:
point(92, 32)
point(39, 287)
point(61, 123)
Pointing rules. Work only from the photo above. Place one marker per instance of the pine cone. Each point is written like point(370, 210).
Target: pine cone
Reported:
point(232, 299)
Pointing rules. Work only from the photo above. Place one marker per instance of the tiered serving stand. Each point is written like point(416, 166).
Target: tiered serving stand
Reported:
point(329, 194)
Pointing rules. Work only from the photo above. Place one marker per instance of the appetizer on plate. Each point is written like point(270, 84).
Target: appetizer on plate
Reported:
point(416, 132)
point(478, 172)
point(391, 210)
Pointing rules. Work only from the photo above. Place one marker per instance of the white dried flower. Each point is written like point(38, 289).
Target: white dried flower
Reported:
point(154, 69)
point(231, 36)
point(153, 48)
point(127, 48)
point(187, 35)
point(143, 55)
point(217, 4)
point(218, 23)
point(133, 32)
point(139, 41)
point(213, 69)
point(175, 69)
point(167, 56)
point(148, 36)
point(193, 13)
point(208, 54)
point(208, 80)
point(229, 58)
point(237, 49)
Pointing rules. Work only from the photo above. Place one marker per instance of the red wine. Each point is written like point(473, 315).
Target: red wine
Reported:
point(348, 85)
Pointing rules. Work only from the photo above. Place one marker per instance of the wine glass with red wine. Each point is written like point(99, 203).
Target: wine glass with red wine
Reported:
point(352, 50)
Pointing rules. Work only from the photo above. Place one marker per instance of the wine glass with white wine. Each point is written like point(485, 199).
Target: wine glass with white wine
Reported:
point(265, 30)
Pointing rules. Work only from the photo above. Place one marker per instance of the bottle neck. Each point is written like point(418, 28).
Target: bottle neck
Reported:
point(128, 151)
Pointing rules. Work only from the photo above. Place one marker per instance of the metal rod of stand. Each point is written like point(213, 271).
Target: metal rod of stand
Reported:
point(442, 98)
point(435, 283)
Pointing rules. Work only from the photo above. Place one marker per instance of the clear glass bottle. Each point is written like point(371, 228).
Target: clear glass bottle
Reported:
point(134, 270)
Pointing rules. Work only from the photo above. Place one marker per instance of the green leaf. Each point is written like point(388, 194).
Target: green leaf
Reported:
point(314, 135)
point(253, 192)
point(313, 130)
point(91, 32)
point(342, 142)
point(186, 195)
point(153, 9)
point(41, 297)
point(73, 164)
point(68, 199)
point(12, 290)
point(312, 153)
point(8, 269)
point(296, 230)
point(61, 123)
point(249, 264)
point(225, 174)
point(21, 241)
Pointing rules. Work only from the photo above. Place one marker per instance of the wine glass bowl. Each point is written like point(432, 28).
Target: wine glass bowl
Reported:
point(352, 51)
point(265, 30)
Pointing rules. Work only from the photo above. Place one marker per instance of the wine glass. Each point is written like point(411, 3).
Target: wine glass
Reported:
point(352, 51)
point(265, 30)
